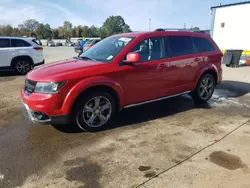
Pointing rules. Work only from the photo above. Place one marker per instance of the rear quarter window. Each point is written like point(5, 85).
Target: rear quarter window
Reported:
point(180, 45)
point(203, 44)
point(19, 43)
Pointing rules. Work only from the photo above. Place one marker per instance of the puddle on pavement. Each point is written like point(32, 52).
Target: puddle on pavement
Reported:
point(226, 160)
point(89, 173)
point(149, 174)
point(144, 168)
point(25, 149)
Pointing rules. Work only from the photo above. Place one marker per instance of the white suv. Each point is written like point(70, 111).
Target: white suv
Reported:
point(20, 54)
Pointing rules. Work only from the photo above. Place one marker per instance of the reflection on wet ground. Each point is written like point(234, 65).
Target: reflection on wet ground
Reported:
point(26, 148)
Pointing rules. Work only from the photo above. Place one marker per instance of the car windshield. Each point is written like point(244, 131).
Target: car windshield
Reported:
point(106, 49)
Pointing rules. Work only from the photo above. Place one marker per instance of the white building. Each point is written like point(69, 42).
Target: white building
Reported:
point(230, 26)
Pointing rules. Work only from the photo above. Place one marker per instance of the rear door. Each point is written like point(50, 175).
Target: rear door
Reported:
point(5, 52)
point(182, 60)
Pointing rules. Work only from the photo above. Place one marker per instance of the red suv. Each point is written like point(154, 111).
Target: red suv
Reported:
point(122, 71)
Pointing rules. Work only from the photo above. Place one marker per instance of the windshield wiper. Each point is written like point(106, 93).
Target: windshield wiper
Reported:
point(88, 58)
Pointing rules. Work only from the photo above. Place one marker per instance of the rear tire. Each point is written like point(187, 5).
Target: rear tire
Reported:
point(22, 66)
point(204, 89)
point(94, 111)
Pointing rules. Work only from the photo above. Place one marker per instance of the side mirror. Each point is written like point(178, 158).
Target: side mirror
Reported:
point(132, 57)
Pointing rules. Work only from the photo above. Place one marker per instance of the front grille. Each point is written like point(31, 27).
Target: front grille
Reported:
point(29, 86)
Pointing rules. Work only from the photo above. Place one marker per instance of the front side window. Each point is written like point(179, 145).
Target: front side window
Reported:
point(150, 49)
point(202, 44)
point(19, 43)
point(106, 49)
point(4, 43)
point(180, 45)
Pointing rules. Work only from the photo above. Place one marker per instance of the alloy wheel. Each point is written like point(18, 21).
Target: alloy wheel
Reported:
point(206, 88)
point(96, 112)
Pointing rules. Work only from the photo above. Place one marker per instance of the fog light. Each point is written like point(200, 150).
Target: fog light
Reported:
point(38, 115)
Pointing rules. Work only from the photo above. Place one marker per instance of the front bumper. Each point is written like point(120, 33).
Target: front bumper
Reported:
point(41, 118)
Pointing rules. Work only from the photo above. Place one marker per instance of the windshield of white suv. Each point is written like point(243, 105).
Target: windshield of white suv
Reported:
point(106, 49)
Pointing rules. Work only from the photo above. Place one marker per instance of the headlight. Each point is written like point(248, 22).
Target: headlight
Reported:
point(49, 87)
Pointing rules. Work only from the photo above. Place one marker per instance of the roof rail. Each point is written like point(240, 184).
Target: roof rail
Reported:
point(176, 29)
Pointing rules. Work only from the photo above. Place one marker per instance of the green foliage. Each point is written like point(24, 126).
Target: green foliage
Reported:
point(31, 27)
point(114, 25)
point(194, 28)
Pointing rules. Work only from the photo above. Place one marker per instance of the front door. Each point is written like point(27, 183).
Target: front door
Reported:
point(146, 79)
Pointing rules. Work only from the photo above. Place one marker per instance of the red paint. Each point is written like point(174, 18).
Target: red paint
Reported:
point(132, 83)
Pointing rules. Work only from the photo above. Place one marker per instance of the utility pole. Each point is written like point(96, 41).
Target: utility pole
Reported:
point(184, 25)
point(149, 24)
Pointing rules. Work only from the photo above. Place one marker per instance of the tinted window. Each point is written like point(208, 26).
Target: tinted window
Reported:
point(19, 43)
point(180, 45)
point(202, 44)
point(150, 49)
point(4, 43)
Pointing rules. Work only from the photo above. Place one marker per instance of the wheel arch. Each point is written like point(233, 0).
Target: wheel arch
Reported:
point(21, 57)
point(96, 88)
point(211, 69)
point(107, 85)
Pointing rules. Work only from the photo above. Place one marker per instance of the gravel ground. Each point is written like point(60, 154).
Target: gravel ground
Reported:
point(171, 143)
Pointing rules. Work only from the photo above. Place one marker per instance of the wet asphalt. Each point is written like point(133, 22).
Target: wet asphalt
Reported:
point(27, 149)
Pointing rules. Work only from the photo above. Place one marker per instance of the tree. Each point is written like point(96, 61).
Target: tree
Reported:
point(74, 32)
point(55, 33)
point(15, 32)
point(85, 31)
point(79, 31)
point(93, 31)
point(30, 25)
point(23, 31)
point(60, 32)
point(102, 32)
point(40, 31)
point(67, 29)
point(115, 25)
point(194, 28)
point(6, 30)
point(44, 31)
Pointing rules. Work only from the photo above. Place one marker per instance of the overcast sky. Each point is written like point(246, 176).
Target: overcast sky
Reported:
point(163, 13)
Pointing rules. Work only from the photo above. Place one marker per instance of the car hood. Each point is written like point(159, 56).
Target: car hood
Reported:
point(64, 69)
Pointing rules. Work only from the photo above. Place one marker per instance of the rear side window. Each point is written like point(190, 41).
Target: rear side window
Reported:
point(36, 41)
point(4, 43)
point(180, 45)
point(19, 43)
point(202, 44)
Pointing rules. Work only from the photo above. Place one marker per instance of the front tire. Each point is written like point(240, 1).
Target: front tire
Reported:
point(204, 89)
point(22, 66)
point(94, 111)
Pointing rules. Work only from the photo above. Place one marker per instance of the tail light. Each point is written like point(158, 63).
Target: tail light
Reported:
point(38, 48)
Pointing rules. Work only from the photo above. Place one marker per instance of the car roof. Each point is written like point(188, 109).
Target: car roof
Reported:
point(141, 33)
point(16, 37)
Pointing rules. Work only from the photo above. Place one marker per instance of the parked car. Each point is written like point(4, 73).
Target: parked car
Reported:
point(69, 43)
point(90, 43)
point(51, 43)
point(122, 71)
point(80, 45)
point(20, 54)
point(59, 44)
